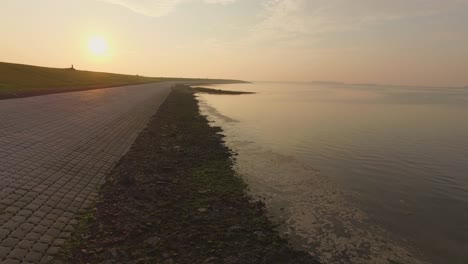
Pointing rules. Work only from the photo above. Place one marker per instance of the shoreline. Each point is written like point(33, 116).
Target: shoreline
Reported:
point(174, 198)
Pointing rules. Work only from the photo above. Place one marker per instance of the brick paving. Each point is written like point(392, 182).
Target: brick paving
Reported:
point(54, 153)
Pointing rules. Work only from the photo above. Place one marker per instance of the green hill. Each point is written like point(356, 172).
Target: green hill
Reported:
point(19, 80)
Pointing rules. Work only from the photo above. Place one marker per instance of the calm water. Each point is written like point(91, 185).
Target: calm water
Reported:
point(363, 174)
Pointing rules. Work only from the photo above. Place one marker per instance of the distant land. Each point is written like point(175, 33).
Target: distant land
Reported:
point(20, 80)
point(382, 84)
point(365, 84)
point(326, 82)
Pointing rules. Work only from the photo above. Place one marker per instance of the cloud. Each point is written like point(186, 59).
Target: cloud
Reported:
point(223, 2)
point(158, 8)
point(288, 19)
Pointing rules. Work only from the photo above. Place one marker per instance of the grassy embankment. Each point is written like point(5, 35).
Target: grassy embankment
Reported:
point(18, 80)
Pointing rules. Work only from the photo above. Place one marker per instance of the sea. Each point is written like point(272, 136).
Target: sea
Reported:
point(357, 173)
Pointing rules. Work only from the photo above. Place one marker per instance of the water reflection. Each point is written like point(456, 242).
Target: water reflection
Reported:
point(393, 158)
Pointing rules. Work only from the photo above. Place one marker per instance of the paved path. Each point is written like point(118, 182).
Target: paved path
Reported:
point(54, 152)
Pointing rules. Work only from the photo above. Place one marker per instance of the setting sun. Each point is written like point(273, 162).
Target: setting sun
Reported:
point(98, 45)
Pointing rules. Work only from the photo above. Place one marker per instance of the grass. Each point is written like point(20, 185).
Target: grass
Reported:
point(18, 80)
point(19, 77)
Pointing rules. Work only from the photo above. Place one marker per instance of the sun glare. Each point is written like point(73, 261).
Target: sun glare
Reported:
point(98, 45)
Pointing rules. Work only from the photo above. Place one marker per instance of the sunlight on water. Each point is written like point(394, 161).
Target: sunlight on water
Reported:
point(361, 173)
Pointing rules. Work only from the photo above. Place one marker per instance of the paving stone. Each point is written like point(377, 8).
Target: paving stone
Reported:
point(11, 209)
point(58, 242)
point(55, 151)
point(18, 234)
point(47, 239)
point(33, 206)
point(11, 261)
point(26, 227)
point(18, 254)
point(10, 225)
point(33, 257)
point(40, 247)
point(59, 226)
point(33, 236)
point(53, 250)
point(65, 235)
point(69, 228)
point(33, 220)
point(4, 251)
point(53, 232)
point(47, 259)
point(9, 242)
point(4, 233)
point(25, 244)
point(40, 229)
point(18, 219)
point(39, 214)
point(46, 222)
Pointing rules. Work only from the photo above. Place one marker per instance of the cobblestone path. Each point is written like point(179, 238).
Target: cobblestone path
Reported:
point(54, 153)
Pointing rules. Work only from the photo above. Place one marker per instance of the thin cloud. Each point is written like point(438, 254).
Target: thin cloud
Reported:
point(289, 19)
point(158, 8)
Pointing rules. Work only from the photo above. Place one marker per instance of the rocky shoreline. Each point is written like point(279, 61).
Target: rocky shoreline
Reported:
point(174, 198)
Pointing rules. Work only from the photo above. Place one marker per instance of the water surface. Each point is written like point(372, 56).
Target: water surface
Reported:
point(358, 173)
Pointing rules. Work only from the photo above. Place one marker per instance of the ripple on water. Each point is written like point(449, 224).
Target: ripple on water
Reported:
point(314, 212)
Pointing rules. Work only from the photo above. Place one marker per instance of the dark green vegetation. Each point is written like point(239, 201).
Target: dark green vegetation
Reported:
point(217, 91)
point(174, 198)
point(18, 80)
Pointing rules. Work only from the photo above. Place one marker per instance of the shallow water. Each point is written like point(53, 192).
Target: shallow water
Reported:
point(362, 174)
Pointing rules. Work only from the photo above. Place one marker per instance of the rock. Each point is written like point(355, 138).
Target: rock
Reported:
point(211, 260)
point(167, 169)
point(128, 179)
point(152, 240)
point(259, 234)
point(113, 252)
point(202, 210)
point(235, 228)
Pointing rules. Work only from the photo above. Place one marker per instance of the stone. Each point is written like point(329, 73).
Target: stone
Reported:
point(11, 261)
point(10, 242)
point(33, 257)
point(18, 254)
point(25, 244)
point(40, 247)
point(4, 233)
point(235, 228)
point(4, 251)
point(53, 250)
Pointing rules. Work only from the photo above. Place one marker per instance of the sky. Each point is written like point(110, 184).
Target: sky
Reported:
point(401, 42)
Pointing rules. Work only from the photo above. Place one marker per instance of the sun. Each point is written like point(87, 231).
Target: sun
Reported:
point(98, 45)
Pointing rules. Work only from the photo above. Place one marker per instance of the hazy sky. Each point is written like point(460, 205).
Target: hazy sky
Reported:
point(414, 42)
